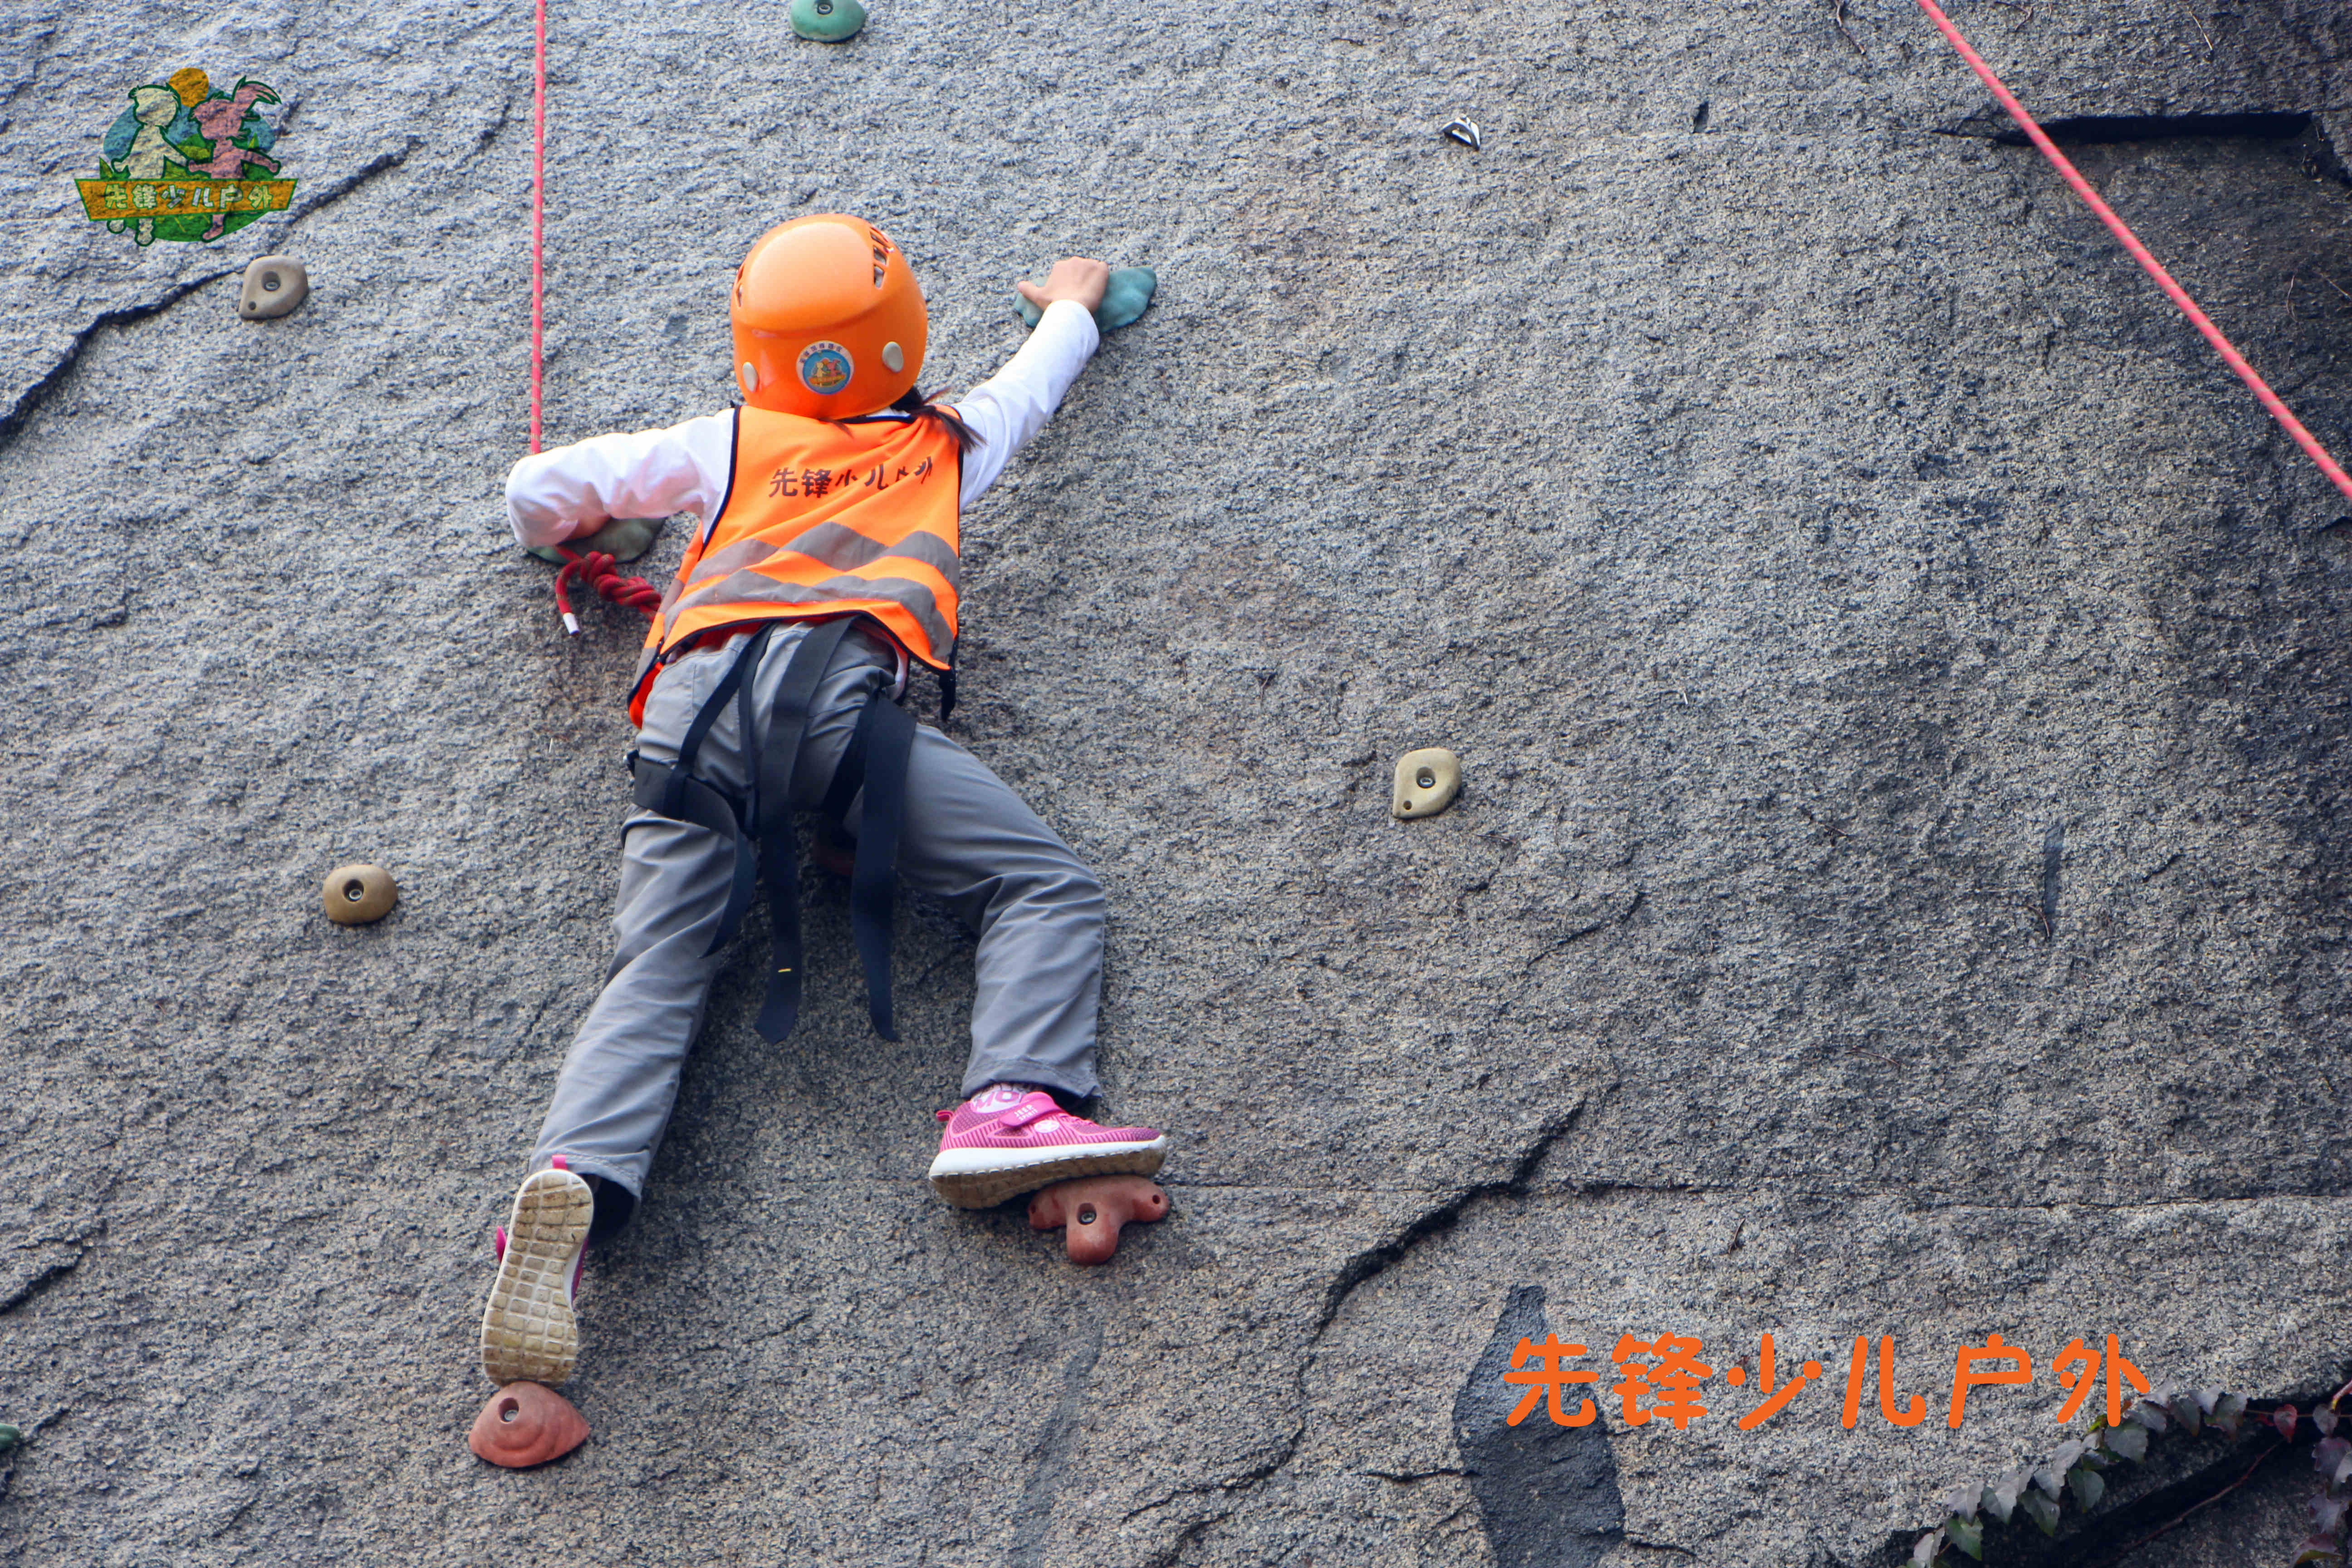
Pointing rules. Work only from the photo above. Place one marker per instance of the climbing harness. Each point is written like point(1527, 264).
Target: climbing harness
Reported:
point(761, 827)
point(2140, 253)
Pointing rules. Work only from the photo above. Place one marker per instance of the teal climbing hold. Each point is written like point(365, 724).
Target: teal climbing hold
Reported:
point(623, 539)
point(9, 1436)
point(1129, 292)
point(827, 21)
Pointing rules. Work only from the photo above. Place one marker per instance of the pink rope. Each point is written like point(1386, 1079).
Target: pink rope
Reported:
point(2139, 253)
point(537, 210)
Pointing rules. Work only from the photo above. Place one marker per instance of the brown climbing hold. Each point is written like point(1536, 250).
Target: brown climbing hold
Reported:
point(274, 285)
point(356, 895)
point(1426, 781)
point(526, 1423)
point(1094, 1208)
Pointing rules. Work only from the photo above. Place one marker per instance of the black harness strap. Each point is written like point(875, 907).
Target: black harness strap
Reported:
point(875, 762)
point(666, 791)
point(780, 848)
point(886, 739)
point(671, 789)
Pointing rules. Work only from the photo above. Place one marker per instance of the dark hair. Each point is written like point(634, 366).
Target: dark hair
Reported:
point(926, 408)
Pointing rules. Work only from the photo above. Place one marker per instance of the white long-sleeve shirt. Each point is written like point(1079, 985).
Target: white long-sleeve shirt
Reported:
point(572, 491)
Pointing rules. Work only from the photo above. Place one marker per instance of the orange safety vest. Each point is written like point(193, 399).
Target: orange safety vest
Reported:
point(824, 519)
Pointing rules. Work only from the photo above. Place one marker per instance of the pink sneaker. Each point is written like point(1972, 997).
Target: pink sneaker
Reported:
point(993, 1150)
point(529, 1332)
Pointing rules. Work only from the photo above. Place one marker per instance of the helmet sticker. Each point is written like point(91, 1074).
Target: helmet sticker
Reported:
point(826, 367)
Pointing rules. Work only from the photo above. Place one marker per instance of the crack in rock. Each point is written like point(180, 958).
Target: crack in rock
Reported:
point(31, 398)
point(28, 401)
point(49, 1272)
point(1373, 1262)
point(353, 181)
point(1363, 1267)
point(2053, 857)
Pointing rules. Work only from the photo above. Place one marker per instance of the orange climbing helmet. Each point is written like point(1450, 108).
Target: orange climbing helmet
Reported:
point(829, 322)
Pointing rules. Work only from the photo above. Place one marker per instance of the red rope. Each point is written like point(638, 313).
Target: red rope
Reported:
point(601, 572)
point(596, 569)
point(2139, 253)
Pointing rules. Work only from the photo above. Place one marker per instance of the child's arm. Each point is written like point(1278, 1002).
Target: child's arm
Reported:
point(570, 491)
point(1013, 404)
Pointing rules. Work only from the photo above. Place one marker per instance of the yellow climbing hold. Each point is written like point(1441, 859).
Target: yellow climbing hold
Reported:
point(1426, 781)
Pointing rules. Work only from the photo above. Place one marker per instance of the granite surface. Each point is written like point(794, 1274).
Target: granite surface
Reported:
point(1895, 890)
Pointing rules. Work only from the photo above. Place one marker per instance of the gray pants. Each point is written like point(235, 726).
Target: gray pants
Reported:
point(967, 841)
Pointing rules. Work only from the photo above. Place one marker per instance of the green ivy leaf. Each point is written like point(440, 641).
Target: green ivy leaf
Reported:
point(2050, 1479)
point(2089, 1486)
point(2325, 1419)
point(2127, 1442)
point(2328, 1453)
point(2184, 1410)
point(2229, 1413)
point(2041, 1510)
point(2318, 1549)
point(1967, 1535)
point(1963, 1499)
point(1930, 1547)
point(2001, 1497)
point(2147, 1416)
point(2070, 1454)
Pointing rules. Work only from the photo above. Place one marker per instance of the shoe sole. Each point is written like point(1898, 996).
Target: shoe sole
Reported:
point(983, 1178)
point(529, 1332)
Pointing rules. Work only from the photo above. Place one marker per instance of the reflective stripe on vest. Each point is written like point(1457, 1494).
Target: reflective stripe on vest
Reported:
point(821, 519)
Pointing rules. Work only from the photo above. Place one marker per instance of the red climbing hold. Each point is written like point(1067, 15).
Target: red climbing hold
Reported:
point(526, 1423)
point(1094, 1208)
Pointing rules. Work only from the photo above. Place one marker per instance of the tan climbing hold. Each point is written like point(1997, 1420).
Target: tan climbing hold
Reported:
point(526, 1424)
point(357, 895)
point(274, 285)
point(1426, 781)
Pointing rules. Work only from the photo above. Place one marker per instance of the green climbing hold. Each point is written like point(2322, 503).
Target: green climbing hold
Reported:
point(9, 1436)
point(1130, 290)
point(623, 539)
point(828, 21)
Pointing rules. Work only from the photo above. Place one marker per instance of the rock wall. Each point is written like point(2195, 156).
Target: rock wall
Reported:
point(1897, 889)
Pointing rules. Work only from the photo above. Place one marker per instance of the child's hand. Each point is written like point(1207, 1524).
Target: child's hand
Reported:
point(1078, 278)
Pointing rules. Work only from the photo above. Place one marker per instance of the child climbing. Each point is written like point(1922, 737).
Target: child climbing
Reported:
point(825, 567)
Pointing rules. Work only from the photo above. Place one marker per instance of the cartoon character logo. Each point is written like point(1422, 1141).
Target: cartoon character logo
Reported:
point(826, 367)
point(177, 164)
